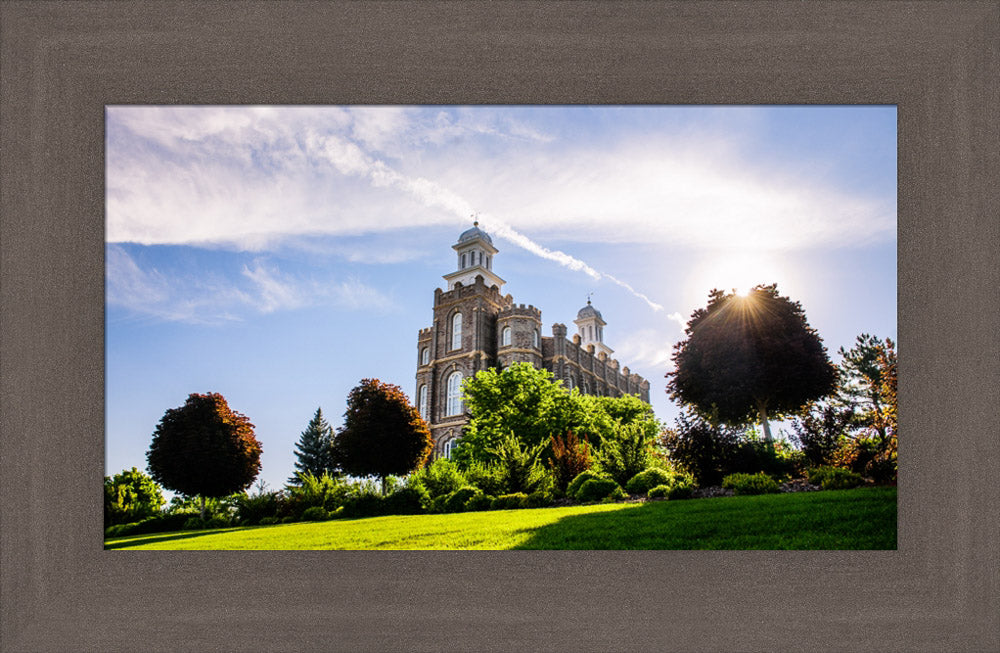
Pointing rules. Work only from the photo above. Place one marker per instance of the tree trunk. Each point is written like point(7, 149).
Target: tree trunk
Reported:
point(203, 507)
point(762, 410)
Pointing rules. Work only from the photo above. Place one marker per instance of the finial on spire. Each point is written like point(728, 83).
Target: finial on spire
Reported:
point(475, 219)
point(588, 298)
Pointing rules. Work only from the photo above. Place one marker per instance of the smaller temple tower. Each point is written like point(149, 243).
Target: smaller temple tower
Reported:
point(590, 326)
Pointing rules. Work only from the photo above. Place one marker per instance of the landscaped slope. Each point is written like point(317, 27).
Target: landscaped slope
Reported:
point(843, 519)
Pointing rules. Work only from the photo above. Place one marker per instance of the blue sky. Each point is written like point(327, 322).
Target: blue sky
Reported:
point(278, 255)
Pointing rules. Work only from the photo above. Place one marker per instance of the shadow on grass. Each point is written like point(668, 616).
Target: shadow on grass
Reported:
point(156, 538)
point(849, 519)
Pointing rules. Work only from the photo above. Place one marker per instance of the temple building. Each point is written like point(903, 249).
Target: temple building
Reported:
point(477, 327)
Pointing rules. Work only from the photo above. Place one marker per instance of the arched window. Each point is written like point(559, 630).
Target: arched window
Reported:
point(505, 337)
point(454, 394)
point(450, 447)
point(425, 356)
point(422, 400)
point(534, 339)
point(463, 261)
point(456, 331)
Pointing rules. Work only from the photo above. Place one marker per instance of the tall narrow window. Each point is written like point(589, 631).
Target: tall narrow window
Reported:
point(456, 331)
point(454, 393)
point(422, 401)
point(450, 447)
point(534, 339)
point(505, 337)
point(463, 261)
point(425, 356)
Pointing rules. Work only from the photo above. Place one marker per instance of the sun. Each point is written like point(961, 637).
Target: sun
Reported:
point(735, 271)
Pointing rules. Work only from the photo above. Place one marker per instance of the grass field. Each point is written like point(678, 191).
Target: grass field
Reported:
point(843, 519)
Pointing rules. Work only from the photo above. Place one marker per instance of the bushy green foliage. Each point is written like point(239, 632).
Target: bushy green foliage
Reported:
point(204, 448)
point(131, 496)
point(487, 477)
point(659, 492)
point(526, 402)
point(251, 508)
point(509, 501)
point(364, 503)
point(569, 458)
point(628, 452)
point(518, 468)
point(439, 478)
point(315, 513)
point(649, 478)
point(480, 502)
point(194, 523)
point(746, 484)
point(616, 495)
point(324, 491)
point(383, 434)
point(681, 488)
point(162, 523)
point(538, 499)
point(406, 501)
point(834, 478)
point(217, 522)
point(457, 500)
point(819, 428)
point(581, 478)
point(596, 489)
point(268, 521)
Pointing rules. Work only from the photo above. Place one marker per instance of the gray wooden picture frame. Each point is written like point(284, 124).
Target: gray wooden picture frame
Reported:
point(63, 62)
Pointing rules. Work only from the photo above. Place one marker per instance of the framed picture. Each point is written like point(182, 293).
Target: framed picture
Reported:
point(65, 63)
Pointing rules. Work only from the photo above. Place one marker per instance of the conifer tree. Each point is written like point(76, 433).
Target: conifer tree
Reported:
point(314, 449)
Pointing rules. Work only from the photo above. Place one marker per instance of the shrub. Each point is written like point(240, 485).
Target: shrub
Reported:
point(406, 501)
point(649, 478)
point(268, 521)
point(834, 478)
point(518, 468)
point(364, 504)
point(324, 491)
point(315, 513)
point(569, 458)
point(131, 496)
point(509, 501)
point(746, 484)
point(537, 500)
point(659, 492)
point(581, 478)
point(486, 477)
point(252, 508)
point(628, 452)
point(480, 502)
point(457, 500)
point(682, 488)
point(217, 522)
point(194, 524)
point(439, 478)
point(705, 451)
point(596, 489)
point(288, 520)
point(616, 495)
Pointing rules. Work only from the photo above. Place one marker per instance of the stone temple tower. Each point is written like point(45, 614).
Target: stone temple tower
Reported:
point(476, 327)
point(463, 339)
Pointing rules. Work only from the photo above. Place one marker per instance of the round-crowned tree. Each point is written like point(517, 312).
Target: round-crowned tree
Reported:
point(130, 496)
point(383, 434)
point(750, 356)
point(204, 448)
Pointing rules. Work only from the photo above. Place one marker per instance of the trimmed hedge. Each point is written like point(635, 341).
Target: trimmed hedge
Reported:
point(509, 501)
point(834, 478)
point(747, 484)
point(647, 479)
point(581, 478)
point(596, 489)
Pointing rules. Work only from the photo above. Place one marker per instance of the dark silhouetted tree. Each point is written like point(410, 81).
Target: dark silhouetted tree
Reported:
point(314, 450)
point(747, 357)
point(204, 448)
point(382, 435)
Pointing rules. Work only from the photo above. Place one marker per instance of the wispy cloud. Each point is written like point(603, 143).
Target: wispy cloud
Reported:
point(650, 348)
point(258, 288)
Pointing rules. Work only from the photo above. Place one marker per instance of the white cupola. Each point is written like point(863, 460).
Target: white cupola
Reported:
point(475, 252)
point(590, 326)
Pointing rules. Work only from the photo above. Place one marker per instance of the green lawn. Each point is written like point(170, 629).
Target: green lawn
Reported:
point(843, 519)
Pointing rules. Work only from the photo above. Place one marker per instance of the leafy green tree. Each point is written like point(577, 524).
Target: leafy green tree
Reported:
point(204, 448)
point(383, 434)
point(314, 450)
point(705, 450)
point(130, 496)
point(747, 357)
point(861, 382)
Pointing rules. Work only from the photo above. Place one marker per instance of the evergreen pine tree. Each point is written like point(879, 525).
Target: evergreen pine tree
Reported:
point(314, 449)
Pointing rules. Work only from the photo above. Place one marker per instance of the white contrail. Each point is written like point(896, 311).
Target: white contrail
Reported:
point(348, 158)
